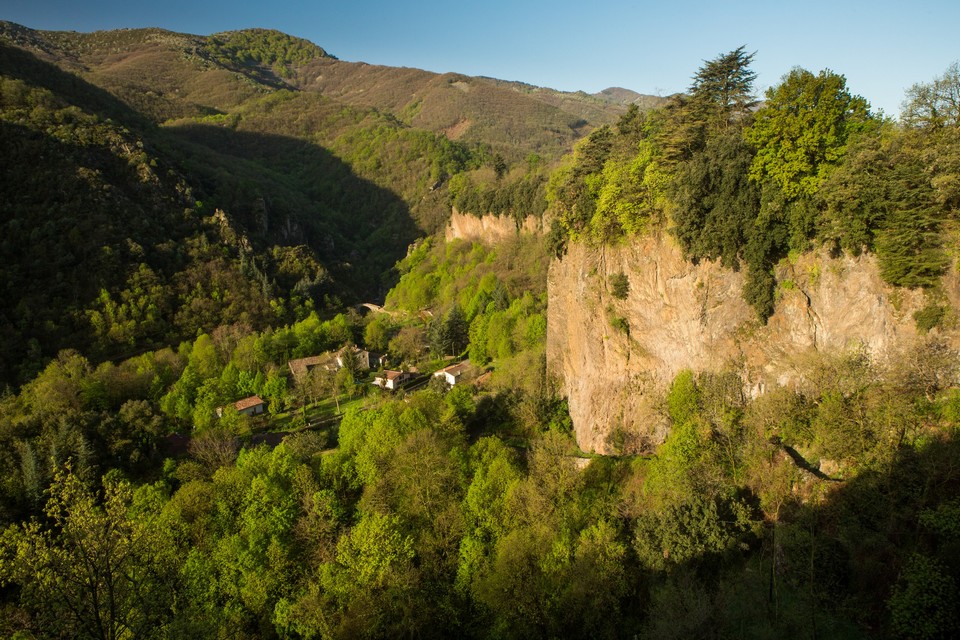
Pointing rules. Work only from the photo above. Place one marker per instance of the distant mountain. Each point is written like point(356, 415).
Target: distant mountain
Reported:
point(157, 183)
point(621, 96)
point(167, 75)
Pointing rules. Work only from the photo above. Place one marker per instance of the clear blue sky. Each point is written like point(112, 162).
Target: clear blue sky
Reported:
point(882, 47)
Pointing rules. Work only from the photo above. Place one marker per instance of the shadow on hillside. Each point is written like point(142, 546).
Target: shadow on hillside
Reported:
point(878, 520)
point(285, 190)
point(880, 552)
point(74, 204)
point(77, 219)
point(802, 463)
point(23, 65)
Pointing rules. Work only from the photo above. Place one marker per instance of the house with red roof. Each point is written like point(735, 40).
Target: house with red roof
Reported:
point(252, 406)
point(392, 379)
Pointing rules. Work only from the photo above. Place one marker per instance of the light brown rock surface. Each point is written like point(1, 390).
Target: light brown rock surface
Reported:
point(489, 228)
point(686, 316)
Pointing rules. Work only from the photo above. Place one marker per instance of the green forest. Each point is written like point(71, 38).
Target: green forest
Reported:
point(167, 253)
point(749, 183)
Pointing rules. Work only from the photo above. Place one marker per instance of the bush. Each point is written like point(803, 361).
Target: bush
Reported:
point(619, 285)
point(619, 322)
point(923, 603)
point(758, 291)
point(929, 317)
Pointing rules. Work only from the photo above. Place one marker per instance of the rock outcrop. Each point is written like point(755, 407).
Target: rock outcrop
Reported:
point(616, 357)
point(489, 228)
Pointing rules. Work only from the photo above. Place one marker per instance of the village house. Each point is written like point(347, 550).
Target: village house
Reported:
point(363, 359)
point(300, 367)
point(392, 379)
point(252, 406)
point(453, 373)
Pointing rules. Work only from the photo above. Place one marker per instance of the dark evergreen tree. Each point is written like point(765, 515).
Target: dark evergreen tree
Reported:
point(457, 331)
point(449, 336)
point(716, 201)
point(722, 88)
point(910, 250)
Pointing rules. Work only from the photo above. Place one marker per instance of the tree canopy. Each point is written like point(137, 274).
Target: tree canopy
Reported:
point(802, 130)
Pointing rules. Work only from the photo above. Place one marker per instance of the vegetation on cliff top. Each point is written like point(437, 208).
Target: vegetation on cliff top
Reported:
point(748, 184)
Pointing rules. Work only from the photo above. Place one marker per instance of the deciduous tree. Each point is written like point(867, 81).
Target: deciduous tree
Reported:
point(936, 104)
point(802, 130)
point(93, 571)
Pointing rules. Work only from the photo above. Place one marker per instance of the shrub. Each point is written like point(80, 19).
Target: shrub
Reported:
point(620, 324)
point(619, 285)
point(929, 317)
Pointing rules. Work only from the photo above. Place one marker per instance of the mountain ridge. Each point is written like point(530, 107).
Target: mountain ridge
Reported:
point(552, 120)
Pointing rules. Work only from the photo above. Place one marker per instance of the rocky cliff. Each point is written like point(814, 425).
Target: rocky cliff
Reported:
point(489, 228)
point(616, 355)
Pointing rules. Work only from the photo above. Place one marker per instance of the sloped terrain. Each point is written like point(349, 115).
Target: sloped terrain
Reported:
point(169, 75)
point(120, 235)
point(159, 182)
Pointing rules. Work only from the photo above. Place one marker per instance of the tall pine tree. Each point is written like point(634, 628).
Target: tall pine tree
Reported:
point(722, 89)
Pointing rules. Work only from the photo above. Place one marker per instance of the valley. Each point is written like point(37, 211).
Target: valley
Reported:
point(304, 348)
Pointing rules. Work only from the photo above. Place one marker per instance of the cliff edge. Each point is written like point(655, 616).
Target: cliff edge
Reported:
point(488, 228)
point(616, 354)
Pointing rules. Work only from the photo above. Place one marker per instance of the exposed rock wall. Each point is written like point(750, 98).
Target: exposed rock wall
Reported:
point(616, 357)
point(489, 228)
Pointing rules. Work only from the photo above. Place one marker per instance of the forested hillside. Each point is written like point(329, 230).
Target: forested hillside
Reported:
point(157, 184)
point(203, 435)
point(120, 235)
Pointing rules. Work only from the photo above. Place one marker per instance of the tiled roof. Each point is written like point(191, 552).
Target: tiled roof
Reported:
point(299, 367)
point(454, 369)
point(246, 403)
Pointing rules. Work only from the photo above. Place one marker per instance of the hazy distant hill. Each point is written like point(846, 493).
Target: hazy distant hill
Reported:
point(619, 95)
point(170, 75)
point(166, 74)
point(461, 107)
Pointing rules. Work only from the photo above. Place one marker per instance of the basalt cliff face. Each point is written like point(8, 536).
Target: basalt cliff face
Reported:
point(616, 357)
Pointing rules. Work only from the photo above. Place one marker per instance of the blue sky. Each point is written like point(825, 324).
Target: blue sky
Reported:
point(881, 47)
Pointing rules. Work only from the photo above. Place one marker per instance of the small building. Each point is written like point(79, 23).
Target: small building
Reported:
point(300, 367)
point(252, 406)
point(392, 379)
point(364, 360)
point(453, 373)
